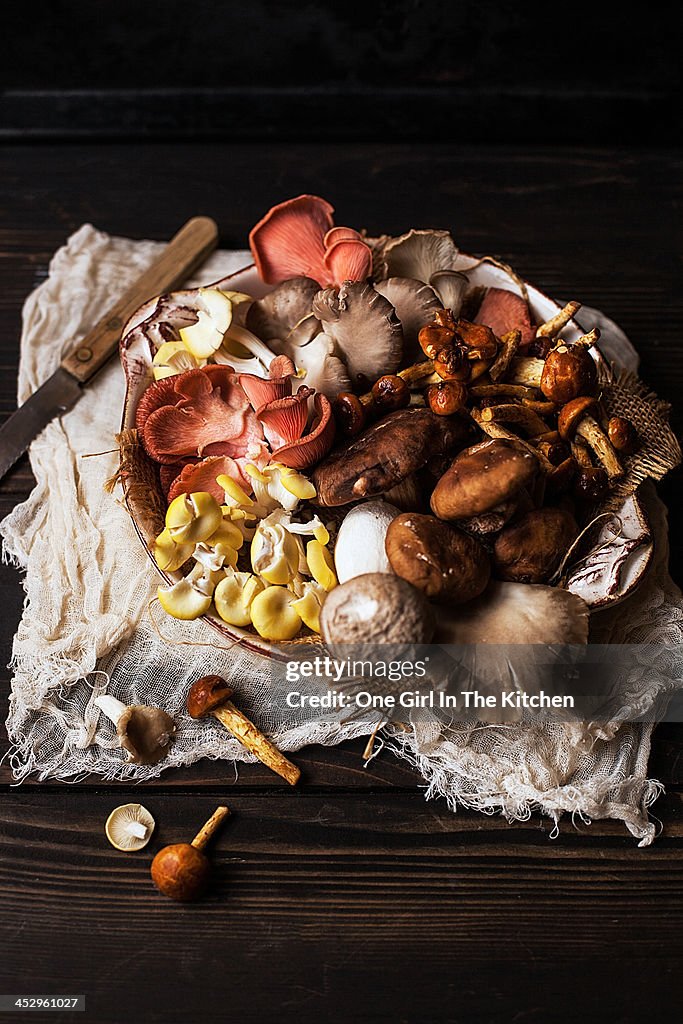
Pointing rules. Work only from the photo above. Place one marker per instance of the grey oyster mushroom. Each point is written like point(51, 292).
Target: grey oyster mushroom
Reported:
point(364, 328)
point(450, 286)
point(279, 312)
point(419, 254)
point(322, 369)
point(415, 304)
point(143, 732)
point(376, 608)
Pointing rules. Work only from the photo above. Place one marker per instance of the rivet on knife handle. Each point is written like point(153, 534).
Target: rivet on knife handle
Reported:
point(183, 254)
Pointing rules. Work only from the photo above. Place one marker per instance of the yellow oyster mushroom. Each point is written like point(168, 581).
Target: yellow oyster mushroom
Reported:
point(214, 316)
point(273, 616)
point(274, 553)
point(246, 522)
point(309, 604)
point(193, 517)
point(172, 358)
point(237, 298)
point(170, 555)
point(227, 533)
point(235, 495)
point(321, 565)
point(296, 483)
point(190, 597)
point(234, 595)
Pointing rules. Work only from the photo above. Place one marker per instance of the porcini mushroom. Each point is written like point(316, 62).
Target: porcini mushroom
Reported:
point(364, 328)
point(143, 732)
point(575, 418)
point(181, 871)
point(129, 827)
point(211, 695)
point(443, 562)
point(481, 478)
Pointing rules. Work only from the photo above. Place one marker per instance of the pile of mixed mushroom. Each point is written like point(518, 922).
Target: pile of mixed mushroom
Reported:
point(373, 417)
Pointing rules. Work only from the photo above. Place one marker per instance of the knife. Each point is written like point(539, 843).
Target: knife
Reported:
point(183, 254)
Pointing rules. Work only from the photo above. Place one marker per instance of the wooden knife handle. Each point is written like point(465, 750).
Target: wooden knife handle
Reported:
point(183, 254)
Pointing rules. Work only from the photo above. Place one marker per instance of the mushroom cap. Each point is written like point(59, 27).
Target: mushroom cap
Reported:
point(384, 455)
point(376, 608)
point(359, 548)
point(181, 872)
point(419, 254)
point(568, 374)
point(414, 304)
point(440, 560)
point(207, 694)
point(278, 312)
point(364, 328)
point(503, 311)
point(289, 239)
point(530, 549)
point(450, 286)
point(572, 413)
point(145, 733)
point(118, 827)
point(482, 477)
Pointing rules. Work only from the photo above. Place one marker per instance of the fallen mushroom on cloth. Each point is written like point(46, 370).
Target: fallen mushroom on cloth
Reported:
point(382, 413)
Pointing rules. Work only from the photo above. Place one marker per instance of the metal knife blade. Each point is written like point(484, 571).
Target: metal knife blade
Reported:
point(56, 396)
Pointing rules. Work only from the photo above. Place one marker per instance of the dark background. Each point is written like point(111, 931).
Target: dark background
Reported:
point(437, 70)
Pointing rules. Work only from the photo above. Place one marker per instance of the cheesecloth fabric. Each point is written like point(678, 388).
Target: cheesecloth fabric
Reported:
point(86, 625)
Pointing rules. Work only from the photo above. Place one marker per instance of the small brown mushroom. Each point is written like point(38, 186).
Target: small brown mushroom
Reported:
point(570, 371)
point(440, 560)
point(350, 413)
point(451, 363)
point(575, 418)
point(211, 695)
point(481, 478)
point(446, 397)
point(622, 434)
point(591, 483)
point(479, 339)
point(390, 393)
point(433, 337)
point(530, 549)
point(182, 870)
point(143, 732)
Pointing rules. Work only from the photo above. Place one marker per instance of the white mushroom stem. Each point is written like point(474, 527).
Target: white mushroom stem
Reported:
point(137, 829)
point(527, 370)
point(589, 430)
point(587, 340)
point(553, 326)
point(111, 707)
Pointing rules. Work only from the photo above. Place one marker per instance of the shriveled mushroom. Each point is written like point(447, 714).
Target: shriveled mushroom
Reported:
point(363, 326)
point(278, 312)
point(384, 455)
point(414, 304)
point(481, 478)
point(376, 608)
point(575, 418)
point(143, 732)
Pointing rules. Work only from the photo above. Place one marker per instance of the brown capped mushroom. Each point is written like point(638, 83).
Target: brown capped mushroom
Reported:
point(384, 455)
point(570, 371)
point(440, 560)
point(376, 608)
point(481, 478)
point(530, 549)
point(143, 732)
point(622, 434)
point(575, 418)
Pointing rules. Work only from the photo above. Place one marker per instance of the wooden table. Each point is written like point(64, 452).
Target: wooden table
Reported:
point(352, 899)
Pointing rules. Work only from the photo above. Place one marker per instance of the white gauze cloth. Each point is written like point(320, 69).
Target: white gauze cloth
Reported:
point(86, 624)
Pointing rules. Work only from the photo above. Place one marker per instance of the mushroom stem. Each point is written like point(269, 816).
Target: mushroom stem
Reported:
point(495, 430)
point(581, 455)
point(502, 390)
point(527, 370)
point(585, 341)
point(209, 827)
point(501, 364)
point(553, 326)
point(111, 707)
point(253, 739)
point(518, 414)
point(543, 408)
point(599, 442)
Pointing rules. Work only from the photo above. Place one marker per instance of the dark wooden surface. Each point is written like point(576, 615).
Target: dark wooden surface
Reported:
point(351, 899)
